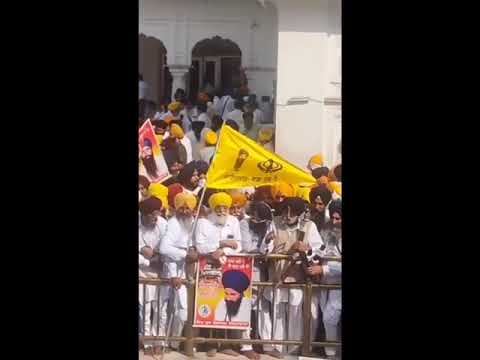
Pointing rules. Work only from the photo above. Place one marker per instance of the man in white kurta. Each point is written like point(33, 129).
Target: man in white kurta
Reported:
point(219, 235)
point(152, 228)
point(173, 248)
point(237, 116)
point(330, 272)
point(290, 228)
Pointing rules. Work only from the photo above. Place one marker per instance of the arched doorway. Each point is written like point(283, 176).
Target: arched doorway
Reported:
point(152, 60)
point(216, 65)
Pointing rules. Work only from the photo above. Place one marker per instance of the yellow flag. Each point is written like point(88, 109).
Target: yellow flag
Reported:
point(241, 162)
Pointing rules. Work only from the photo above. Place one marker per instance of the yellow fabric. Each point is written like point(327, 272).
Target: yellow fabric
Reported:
point(220, 199)
point(336, 186)
point(282, 189)
point(159, 139)
point(210, 138)
point(304, 193)
point(176, 131)
point(183, 198)
point(316, 161)
point(265, 134)
point(160, 192)
point(174, 106)
point(240, 162)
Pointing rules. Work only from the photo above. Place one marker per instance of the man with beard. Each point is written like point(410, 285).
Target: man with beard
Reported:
point(188, 177)
point(280, 191)
point(257, 232)
point(237, 209)
point(151, 230)
point(320, 197)
point(151, 167)
point(235, 307)
point(218, 235)
point(174, 248)
point(294, 235)
point(330, 272)
point(175, 157)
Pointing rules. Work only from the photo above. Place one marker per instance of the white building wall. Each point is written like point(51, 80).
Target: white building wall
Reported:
point(180, 24)
point(309, 55)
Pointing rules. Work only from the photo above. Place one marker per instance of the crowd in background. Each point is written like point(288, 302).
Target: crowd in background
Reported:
point(280, 218)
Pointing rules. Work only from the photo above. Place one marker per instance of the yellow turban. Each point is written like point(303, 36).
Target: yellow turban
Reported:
point(238, 199)
point(160, 192)
point(315, 161)
point(210, 138)
point(336, 186)
point(282, 189)
point(184, 198)
point(176, 131)
point(175, 106)
point(168, 119)
point(220, 199)
point(304, 193)
point(265, 134)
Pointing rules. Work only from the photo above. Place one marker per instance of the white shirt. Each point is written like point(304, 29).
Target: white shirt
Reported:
point(188, 148)
point(206, 153)
point(258, 116)
point(208, 235)
point(173, 248)
point(236, 115)
point(149, 237)
point(196, 145)
point(186, 117)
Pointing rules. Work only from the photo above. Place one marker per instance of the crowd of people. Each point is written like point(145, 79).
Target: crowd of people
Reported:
point(279, 218)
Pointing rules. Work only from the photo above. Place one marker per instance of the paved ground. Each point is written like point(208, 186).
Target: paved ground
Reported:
point(178, 356)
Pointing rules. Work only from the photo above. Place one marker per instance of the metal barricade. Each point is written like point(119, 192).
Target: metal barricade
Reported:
point(190, 340)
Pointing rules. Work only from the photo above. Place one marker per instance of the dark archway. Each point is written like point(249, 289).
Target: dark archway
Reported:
point(152, 64)
point(216, 66)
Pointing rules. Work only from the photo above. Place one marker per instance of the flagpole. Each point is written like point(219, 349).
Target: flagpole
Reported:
point(205, 187)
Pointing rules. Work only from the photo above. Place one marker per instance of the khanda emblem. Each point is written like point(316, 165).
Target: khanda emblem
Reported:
point(242, 156)
point(269, 166)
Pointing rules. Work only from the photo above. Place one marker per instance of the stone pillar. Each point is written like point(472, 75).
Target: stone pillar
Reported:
point(179, 73)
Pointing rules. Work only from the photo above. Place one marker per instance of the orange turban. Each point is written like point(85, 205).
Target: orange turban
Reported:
point(176, 131)
point(238, 199)
point(185, 199)
point(168, 119)
point(282, 189)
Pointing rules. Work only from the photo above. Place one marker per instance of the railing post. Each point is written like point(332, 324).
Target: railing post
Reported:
point(307, 318)
point(189, 324)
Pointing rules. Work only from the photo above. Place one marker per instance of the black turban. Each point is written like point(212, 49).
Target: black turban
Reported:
point(321, 191)
point(335, 207)
point(321, 171)
point(186, 173)
point(297, 206)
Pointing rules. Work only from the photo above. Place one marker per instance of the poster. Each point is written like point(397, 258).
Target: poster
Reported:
point(223, 297)
point(152, 163)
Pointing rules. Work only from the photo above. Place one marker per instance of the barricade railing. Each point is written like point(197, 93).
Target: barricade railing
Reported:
point(190, 340)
